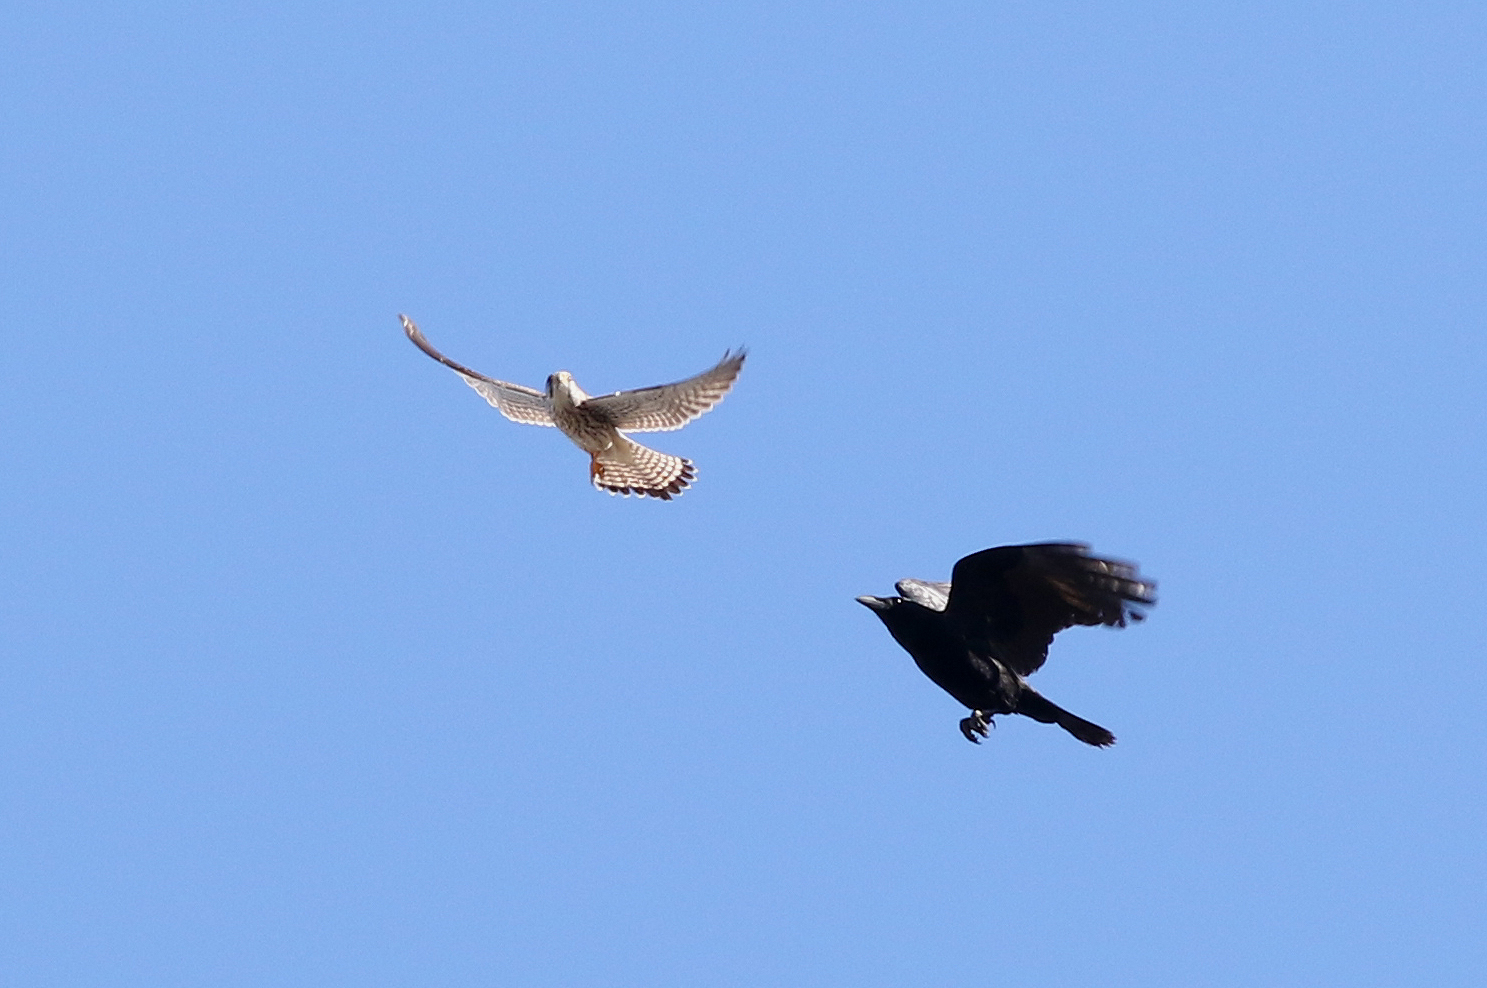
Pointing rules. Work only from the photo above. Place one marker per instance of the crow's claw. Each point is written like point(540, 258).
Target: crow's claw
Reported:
point(976, 723)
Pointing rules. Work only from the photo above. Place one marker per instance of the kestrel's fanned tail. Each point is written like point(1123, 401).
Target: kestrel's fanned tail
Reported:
point(630, 468)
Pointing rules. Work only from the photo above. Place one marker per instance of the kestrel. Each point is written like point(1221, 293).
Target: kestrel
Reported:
point(991, 625)
point(597, 425)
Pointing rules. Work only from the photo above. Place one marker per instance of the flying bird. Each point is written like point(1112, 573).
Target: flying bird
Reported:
point(977, 636)
point(597, 425)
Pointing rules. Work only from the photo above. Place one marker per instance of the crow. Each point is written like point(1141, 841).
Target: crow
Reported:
point(977, 636)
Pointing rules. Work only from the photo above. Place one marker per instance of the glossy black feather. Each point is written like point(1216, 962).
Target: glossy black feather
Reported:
point(1013, 599)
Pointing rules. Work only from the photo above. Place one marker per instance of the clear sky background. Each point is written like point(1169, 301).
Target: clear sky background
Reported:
point(316, 671)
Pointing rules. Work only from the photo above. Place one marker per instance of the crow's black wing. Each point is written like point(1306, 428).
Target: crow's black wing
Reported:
point(1010, 601)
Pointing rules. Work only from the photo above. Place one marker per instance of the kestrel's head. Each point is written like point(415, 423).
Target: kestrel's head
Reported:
point(562, 383)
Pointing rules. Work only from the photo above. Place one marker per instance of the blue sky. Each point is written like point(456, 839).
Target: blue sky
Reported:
point(318, 672)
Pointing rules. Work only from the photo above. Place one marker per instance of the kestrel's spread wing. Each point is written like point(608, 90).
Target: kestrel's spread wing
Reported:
point(516, 402)
point(1012, 600)
point(670, 406)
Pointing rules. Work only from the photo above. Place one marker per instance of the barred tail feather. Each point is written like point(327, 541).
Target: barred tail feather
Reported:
point(629, 468)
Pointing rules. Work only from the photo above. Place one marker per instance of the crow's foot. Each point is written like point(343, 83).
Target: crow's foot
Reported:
point(976, 723)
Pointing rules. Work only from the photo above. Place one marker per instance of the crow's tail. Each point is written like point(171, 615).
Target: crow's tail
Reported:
point(1044, 710)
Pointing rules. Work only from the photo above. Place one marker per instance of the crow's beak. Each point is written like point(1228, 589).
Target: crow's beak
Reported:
point(873, 603)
